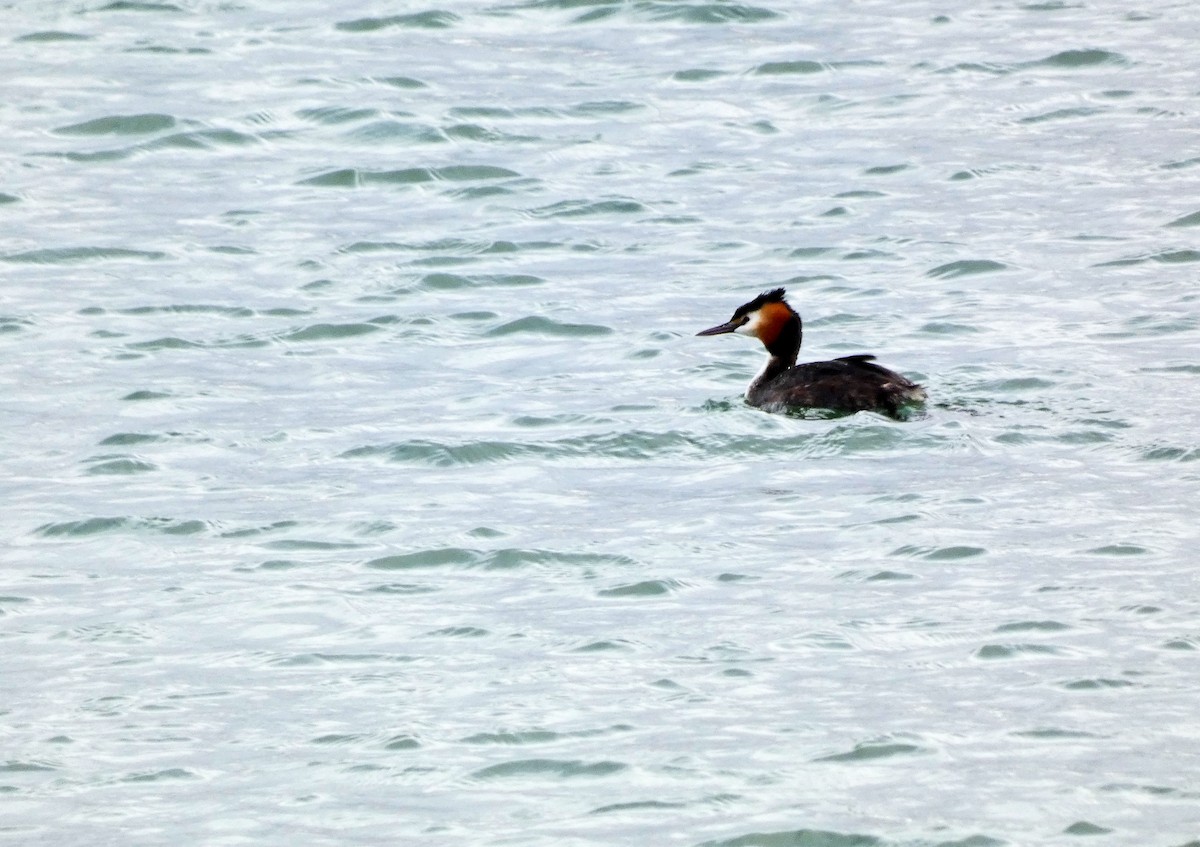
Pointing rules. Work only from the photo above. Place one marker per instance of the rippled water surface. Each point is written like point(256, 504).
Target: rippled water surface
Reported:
point(364, 482)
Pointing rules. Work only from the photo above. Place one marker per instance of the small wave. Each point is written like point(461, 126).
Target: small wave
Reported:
point(333, 115)
point(853, 438)
point(120, 125)
point(309, 659)
point(172, 342)
point(527, 737)
point(1169, 453)
point(709, 13)
point(312, 333)
point(201, 139)
point(645, 588)
point(487, 135)
point(557, 768)
point(353, 177)
point(1149, 325)
point(697, 75)
point(502, 559)
point(427, 559)
point(584, 208)
point(1086, 828)
point(66, 255)
point(11, 603)
point(1055, 734)
point(982, 172)
point(432, 19)
point(1187, 220)
point(393, 131)
point(309, 544)
point(1064, 60)
point(52, 35)
point(26, 766)
point(713, 13)
point(591, 108)
point(1072, 59)
point(118, 465)
point(254, 531)
point(637, 805)
point(538, 325)
point(503, 112)
point(1032, 626)
point(330, 332)
point(468, 173)
point(872, 750)
point(686, 13)
point(84, 527)
point(948, 328)
point(604, 646)
point(165, 343)
point(1166, 257)
point(1015, 385)
point(147, 394)
point(877, 576)
point(1118, 550)
point(966, 267)
point(97, 525)
point(1097, 684)
point(163, 49)
point(13, 324)
point(539, 736)
point(809, 66)
point(800, 838)
point(938, 554)
point(442, 281)
point(887, 170)
point(133, 6)
point(1061, 114)
point(161, 776)
point(338, 738)
point(457, 246)
point(994, 68)
point(991, 652)
point(406, 82)
point(187, 309)
point(460, 632)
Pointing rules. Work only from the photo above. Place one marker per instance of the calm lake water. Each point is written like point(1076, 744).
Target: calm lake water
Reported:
point(364, 482)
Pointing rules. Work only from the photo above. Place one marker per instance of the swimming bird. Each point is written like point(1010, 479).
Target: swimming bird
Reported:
point(845, 384)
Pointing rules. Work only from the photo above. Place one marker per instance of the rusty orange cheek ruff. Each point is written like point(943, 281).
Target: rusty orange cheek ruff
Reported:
point(771, 319)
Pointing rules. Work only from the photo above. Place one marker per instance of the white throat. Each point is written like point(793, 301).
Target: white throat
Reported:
point(751, 326)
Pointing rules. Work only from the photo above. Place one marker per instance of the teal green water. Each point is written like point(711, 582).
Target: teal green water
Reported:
point(365, 483)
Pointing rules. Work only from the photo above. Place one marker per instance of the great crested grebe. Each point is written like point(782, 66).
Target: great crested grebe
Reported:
point(846, 384)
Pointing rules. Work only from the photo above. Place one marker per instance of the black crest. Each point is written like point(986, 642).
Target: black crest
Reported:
point(775, 295)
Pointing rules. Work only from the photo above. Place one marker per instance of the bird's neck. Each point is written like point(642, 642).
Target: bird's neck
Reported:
point(775, 366)
point(782, 351)
point(785, 346)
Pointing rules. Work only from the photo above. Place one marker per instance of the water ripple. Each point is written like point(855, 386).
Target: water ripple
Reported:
point(553, 768)
point(503, 559)
point(353, 177)
point(64, 255)
point(641, 446)
point(433, 19)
